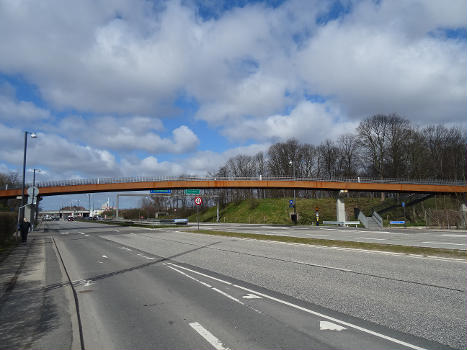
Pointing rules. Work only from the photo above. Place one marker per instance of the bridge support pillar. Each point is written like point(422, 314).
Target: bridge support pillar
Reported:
point(340, 210)
point(217, 218)
point(116, 209)
point(464, 215)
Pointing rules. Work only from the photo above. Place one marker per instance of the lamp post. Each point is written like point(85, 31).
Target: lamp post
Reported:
point(33, 214)
point(21, 211)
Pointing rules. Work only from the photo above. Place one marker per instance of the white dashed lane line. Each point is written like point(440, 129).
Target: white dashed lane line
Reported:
point(208, 336)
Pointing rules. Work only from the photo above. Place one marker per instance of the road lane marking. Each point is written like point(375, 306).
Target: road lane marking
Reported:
point(207, 285)
point(82, 233)
point(125, 248)
point(374, 239)
point(144, 256)
point(208, 336)
point(298, 307)
point(444, 243)
point(186, 275)
point(227, 295)
point(329, 326)
point(251, 296)
point(452, 235)
point(328, 229)
point(105, 256)
point(315, 235)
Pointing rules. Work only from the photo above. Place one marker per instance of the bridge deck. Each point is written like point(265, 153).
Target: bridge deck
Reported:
point(379, 186)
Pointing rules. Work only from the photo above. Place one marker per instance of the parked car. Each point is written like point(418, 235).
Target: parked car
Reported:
point(70, 218)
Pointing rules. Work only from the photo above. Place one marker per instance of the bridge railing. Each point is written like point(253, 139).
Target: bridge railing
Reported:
point(111, 180)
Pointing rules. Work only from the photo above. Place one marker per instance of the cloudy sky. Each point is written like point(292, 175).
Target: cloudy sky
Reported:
point(133, 87)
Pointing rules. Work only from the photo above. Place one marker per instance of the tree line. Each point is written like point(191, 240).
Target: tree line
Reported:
point(382, 146)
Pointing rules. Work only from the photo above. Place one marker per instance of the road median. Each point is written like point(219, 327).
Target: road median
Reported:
point(425, 251)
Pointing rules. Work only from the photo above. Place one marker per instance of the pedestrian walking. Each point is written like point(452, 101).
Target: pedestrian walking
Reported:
point(24, 228)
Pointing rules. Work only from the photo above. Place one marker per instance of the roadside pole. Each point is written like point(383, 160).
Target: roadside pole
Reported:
point(198, 202)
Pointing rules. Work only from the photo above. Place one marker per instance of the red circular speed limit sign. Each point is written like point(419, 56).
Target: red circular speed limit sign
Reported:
point(198, 200)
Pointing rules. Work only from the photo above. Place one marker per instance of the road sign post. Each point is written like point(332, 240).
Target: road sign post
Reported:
point(198, 202)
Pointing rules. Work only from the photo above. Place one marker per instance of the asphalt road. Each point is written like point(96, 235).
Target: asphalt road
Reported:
point(143, 288)
point(421, 237)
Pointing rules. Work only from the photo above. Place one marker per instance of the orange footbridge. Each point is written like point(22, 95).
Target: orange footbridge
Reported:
point(140, 184)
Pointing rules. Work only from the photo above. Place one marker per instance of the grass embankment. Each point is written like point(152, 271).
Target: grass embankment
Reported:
point(426, 251)
point(277, 211)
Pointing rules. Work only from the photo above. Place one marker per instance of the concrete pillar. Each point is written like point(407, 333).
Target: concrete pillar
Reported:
point(340, 210)
point(464, 215)
point(116, 209)
point(217, 210)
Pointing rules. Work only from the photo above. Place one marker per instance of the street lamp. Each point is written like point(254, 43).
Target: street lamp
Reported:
point(33, 135)
point(292, 164)
point(33, 215)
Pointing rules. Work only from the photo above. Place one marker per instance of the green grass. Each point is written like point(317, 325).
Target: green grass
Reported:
point(426, 251)
point(277, 211)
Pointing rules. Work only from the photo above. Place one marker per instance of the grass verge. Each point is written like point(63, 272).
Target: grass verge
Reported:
point(425, 251)
point(132, 224)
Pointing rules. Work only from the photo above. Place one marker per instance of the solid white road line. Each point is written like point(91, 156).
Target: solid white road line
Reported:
point(445, 243)
point(207, 285)
point(452, 235)
point(227, 295)
point(374, 239)
point(332, 319)
point(186, 275)
point(208, 336)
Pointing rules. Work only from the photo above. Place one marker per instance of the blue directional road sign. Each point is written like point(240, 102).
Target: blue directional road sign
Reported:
point(291, 203)
point(160, 191)
point(396, 222)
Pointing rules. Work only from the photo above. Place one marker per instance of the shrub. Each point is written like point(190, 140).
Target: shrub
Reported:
point(8, 224)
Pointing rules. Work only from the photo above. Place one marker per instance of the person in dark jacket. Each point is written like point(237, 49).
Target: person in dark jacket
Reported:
point(24, 229)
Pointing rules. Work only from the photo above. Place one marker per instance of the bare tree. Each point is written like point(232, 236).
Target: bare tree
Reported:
point(349, 155)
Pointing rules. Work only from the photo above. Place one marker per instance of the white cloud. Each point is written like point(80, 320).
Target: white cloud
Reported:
point(127, 134)
point(308, 122)
point(369, 71)
point(20, 111)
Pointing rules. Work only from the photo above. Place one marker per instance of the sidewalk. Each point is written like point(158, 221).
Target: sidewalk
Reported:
point(34, 309)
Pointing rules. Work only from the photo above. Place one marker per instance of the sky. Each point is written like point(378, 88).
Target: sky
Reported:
point(166, 88)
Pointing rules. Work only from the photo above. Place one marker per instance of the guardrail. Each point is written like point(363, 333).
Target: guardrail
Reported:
point(109, 180)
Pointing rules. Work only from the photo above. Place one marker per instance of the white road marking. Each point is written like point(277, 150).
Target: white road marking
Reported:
point(445, 243)
point(374, 239)
point(315, 235)
point(125, 248)
point(116, 230)
point(207, 285)
point(64, 233)
point(144, 256)
point(332, 319)
point(325, 325)
point(101, 262)
point(452, 235)
point(186, 275)
point(105, 256)
point(82, 233)
point(318, 265)
point(227, 295)
point(251, 296)
point(328, 229)
point(208, 336)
